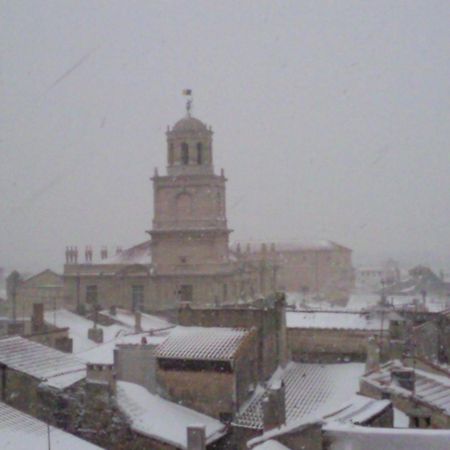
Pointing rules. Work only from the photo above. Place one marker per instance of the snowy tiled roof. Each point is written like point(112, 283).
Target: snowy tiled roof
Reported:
point(212, 344)
point(52, 367)
point(335, 320)
point(19, 431)
point(311, 391)
point(155, 417)
point(429, 387)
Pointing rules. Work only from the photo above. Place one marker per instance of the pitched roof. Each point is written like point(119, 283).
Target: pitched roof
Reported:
point(153, 416)
point(311, 391)
point(19, 431)
point(212, 344)
point(52, 367)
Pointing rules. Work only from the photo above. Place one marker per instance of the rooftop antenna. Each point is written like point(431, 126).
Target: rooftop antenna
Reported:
point(188, 93)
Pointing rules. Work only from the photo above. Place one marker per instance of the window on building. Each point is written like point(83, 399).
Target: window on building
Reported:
point(186, 293)
point(91, 294)
point(137, 297)
point(199, 153)
point(184, 154)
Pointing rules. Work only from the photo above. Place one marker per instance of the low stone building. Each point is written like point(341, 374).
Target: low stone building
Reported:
point(267, 316)
point(331, 336)
point(211, 370)
point(322, 269)
point(46, 287)
point(422, 395)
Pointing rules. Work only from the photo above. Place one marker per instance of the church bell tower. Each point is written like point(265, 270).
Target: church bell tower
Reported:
point(189, 234)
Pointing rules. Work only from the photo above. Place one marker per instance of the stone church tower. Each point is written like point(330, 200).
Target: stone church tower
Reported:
point(189, 237)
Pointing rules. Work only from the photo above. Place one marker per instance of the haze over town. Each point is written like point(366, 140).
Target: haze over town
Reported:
point(330, 120)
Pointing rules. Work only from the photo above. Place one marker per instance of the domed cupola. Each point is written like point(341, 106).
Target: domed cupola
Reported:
point(189, 146)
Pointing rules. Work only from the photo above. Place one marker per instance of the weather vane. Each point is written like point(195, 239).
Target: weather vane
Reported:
point(188, 93)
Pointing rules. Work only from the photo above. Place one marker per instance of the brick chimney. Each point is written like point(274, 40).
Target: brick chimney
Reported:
point(137, 321)
point(37, 318)
point(196, 437)
point(274, 406)
point(373, 354)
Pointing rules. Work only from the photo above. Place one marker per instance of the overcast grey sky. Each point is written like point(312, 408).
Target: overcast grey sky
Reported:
point(331, 120)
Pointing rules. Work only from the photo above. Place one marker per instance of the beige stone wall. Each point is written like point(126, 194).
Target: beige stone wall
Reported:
point(113, 288)
point(327, 345)
point(209, 392)
point(46, 288)
point(327, 272)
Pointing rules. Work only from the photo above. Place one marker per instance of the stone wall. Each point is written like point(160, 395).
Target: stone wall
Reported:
point(136, 364)
point(211, 393)
point(327, 345)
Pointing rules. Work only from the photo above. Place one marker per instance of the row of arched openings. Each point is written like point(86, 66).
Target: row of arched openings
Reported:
point(185, 153)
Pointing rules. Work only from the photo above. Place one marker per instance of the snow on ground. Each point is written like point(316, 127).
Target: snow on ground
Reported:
point(155, 417)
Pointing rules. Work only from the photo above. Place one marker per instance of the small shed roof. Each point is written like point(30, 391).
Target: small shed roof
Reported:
point(52, 367)
point(196, 343)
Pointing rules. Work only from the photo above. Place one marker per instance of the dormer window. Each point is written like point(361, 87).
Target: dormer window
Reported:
point(199, 153)
point(184, 154)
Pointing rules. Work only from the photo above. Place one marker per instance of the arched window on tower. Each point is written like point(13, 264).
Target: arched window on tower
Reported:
point(184, 154)
point(199, 153)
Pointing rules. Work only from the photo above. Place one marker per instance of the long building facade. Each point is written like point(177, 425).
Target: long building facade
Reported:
point(188, 257)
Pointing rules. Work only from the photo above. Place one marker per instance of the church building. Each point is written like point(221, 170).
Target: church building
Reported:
point(187, 258)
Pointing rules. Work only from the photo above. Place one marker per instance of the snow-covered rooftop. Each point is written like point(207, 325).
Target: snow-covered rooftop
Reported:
point(349, 437)
point(19, 431)
point(155, 417)
point(311, 391)
point(429, 387)
point(79, 326)
point(359, 410)
point(117, 333)
point(270, 445)
point(139, 254)
point(52, 367)
point(334, 320)
point(127, 318)
point(213, 344)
